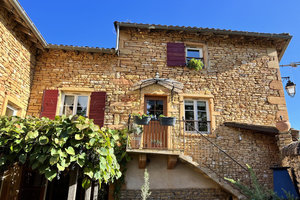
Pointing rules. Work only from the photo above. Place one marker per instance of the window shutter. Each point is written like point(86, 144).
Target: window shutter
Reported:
point(175, 54)
point(49, 103)
point(97, 107)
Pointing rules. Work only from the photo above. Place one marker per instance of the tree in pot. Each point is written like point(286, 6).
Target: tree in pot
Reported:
point(167, 121)
point(135, 133)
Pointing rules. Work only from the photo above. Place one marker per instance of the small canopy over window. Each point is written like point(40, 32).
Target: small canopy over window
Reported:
point(172, 85)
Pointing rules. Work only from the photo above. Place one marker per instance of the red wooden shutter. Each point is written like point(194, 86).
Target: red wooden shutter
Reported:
point(49, 103)
point(175, 54)
point(97, 107)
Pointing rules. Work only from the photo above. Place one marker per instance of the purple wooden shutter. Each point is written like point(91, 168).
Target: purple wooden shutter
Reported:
point(97, 107)
point(49, 103)
point(175, 54)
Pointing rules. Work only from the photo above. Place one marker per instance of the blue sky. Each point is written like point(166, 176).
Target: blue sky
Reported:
point(90, 23)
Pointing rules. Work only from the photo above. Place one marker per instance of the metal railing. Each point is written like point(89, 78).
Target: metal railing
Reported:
point(155, 136)
point(210, 155)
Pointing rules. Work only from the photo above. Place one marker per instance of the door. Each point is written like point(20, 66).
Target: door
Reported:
point(155, 136)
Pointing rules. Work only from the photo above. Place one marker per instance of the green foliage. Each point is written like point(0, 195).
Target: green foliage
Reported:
point(256, 191)
point(195, 64)
point(146, 187)
point(139, 115)
point(56, 146)
point(122, 158)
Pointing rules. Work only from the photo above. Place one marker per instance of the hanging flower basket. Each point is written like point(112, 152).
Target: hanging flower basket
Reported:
point(144, 120)
point(167, 121)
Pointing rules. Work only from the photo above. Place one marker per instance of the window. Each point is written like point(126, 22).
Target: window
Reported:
point(11, 110)
point(196, 116)
point(75, 105)
point(195, 53)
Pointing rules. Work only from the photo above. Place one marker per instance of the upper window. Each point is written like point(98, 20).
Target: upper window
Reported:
point(75, 105)
point(195, 53)
point(11, 110)
point(196, 116)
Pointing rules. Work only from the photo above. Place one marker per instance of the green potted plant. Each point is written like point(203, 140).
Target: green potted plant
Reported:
point(195, 64)
point(135, 135)
point(167, 121)
point(141, 119)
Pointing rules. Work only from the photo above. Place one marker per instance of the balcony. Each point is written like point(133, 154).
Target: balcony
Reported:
point(157, 138)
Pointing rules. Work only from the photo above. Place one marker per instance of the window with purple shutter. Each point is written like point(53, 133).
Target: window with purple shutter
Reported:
point(176, 54)
point(49, 103)
point(97, 107)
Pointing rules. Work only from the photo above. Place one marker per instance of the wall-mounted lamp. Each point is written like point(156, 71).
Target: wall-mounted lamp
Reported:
point(293, 64)
point(290, 87)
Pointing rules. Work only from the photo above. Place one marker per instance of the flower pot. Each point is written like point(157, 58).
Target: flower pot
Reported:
point(167, 121)
point(135, 141)
point(283, 126)
point(141, 121)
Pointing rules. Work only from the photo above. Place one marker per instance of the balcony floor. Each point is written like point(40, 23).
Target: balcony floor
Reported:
point(155, 151)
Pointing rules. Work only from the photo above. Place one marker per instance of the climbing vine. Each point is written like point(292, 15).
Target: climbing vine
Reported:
point(56, 146)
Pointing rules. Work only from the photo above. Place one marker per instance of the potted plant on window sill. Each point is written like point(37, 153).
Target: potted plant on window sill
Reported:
point(141, 119)
point(195, 64)
point(167, 121)
point(135, 135)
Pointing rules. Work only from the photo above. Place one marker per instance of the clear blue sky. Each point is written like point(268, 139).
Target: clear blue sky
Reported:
point(90, 23)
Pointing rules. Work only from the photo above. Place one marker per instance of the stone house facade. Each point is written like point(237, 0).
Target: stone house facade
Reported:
point(235, 100)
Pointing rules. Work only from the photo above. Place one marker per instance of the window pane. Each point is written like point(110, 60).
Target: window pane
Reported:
point(189, 105)
point(9, 112)
point(82, 105)
point(193, 53)
point(201, 105)
point(189, 115)
point(202, 126)
point(68, 105)
point(150, 104)
point(159, 105)
point(190, 126)
point(202, 116)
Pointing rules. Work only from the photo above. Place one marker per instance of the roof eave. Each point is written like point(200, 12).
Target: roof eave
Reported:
point(21, 12)
point(82, 49)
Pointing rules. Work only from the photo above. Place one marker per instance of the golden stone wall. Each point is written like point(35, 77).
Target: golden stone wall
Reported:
point(16, 66)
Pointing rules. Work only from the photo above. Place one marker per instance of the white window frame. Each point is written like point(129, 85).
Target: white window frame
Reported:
point(192, 48)
point(196, 115)
point(76, 95)
point(14, 109)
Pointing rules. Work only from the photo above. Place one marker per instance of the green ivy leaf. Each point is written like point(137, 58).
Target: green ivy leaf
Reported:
point(88, 171)
point(54, 159)
point(86, 183)
point(59, 167)
point(43, 140)
point(22, 158)
point(31, 135)
point(70, 151)
point(92, 141)
point(97, 175)
point(79, 136)
point(42, 158)
point(82, 126)
point(50, 174)
point(80, 162)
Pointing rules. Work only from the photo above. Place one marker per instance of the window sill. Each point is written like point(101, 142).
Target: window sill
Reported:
point(198, 135)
